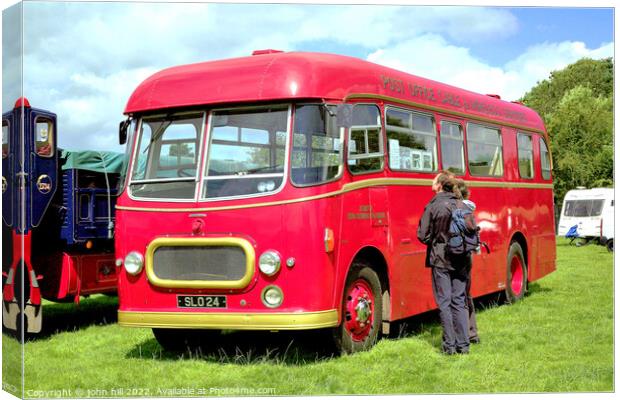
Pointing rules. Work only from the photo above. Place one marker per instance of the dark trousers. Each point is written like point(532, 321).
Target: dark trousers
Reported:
point(473, 328)
point(449, 289)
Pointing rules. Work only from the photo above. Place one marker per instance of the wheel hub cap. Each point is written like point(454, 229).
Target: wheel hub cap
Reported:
point(359, 308)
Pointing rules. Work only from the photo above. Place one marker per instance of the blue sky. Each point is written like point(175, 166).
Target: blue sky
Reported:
point(82, 60)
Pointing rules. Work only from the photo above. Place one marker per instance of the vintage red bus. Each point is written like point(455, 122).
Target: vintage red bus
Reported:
point(282, 191)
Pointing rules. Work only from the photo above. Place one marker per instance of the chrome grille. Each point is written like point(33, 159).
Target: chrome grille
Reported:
point(199, 263)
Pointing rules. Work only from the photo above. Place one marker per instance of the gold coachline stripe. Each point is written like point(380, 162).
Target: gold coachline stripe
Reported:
point(441, 109)
point(219, 320)
point(349, 187)
point(247, 247)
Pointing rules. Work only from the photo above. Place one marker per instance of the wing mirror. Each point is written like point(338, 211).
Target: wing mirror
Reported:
point(122, 131)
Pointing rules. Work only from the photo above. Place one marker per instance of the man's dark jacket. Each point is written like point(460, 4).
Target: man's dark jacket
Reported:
point(434, 229)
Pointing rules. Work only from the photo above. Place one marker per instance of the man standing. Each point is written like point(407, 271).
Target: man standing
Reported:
point(448, 274)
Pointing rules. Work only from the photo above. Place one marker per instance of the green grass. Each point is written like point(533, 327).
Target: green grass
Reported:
point(558, 339)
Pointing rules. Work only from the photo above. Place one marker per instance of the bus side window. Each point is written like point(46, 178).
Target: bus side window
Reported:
point(452, 149)
point(484, 150)
point(545, 160)
point(44, 137)
point(317, 146)
point(5, 138)
point(412, 140)
point(526, 155)
point(365, 143)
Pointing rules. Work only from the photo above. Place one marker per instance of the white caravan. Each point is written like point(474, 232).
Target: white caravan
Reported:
point(592, 210)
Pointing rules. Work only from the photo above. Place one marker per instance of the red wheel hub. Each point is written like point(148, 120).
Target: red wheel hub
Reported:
point(516, 272)
point(359, 310)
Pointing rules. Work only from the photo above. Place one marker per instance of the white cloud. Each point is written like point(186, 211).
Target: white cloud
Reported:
point(431, 56)
point(82, 60)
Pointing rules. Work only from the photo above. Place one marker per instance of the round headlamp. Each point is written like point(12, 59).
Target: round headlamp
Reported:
point(269, 262)
point(134, 262)
point(272, 296)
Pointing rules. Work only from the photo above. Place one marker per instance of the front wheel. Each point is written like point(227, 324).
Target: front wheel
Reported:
point(516, 274)
point(361, 310)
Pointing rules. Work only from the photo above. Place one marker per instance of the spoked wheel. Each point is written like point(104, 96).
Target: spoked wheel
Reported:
point(516, 277)
point(361, 310)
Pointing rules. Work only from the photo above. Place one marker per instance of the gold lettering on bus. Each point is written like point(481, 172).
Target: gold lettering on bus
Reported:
point(435, 95)
point(365, 213)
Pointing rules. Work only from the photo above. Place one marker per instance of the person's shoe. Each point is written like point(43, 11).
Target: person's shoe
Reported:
point(474, 340)
point(448, 352)
point(463, 351)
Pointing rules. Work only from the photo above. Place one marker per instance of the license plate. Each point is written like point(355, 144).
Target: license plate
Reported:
point(201, 301)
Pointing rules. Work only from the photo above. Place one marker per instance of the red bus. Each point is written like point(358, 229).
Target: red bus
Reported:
point(282, 191)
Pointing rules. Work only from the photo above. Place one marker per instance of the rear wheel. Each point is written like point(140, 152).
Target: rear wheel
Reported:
point(610, 245)
point(516, 276)
point(361, 310)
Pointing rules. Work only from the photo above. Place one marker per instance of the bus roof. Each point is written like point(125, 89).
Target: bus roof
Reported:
point(278, 76)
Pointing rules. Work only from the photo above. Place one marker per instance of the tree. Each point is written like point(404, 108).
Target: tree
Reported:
point(576, 104)
point(582, 150)
point(597, 75)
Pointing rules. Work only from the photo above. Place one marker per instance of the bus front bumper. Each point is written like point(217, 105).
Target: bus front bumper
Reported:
point(243, 321)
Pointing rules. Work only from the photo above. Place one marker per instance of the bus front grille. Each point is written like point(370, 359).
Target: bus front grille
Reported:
point(199, 263)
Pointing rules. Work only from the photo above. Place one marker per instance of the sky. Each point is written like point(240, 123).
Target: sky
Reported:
point(82, 60)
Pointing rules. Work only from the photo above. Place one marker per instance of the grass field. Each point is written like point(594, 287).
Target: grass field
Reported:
point(559, 338)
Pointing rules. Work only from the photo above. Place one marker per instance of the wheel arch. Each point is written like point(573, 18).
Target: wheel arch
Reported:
point(373, 257)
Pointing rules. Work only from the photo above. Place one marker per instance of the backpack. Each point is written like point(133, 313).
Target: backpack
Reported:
point(464, 234)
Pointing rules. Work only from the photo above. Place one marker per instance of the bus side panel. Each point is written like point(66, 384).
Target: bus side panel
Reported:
point(315, 272)
point(489, 270)
point(545, 261)
point(365, 222)
point(411, 287)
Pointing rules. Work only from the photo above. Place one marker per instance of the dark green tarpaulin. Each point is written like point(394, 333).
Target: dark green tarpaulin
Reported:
point(91, 160)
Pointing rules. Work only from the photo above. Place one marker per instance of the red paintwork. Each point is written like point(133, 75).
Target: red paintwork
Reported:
point(317, 280)
point(298, 75)
point(22, 102)
point(83, 274)
point(22, 244)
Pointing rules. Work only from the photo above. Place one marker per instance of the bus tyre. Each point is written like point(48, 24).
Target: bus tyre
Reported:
point(516, 276)
point(361, 310)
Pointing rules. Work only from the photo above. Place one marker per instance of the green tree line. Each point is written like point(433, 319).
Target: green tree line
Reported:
point(576, 104)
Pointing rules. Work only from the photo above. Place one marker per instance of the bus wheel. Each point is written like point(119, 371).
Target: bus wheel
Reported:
point(516, 276)
point(361, 310)
point(610, 245)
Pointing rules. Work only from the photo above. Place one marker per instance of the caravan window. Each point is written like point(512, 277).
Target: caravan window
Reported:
point(583, 208)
